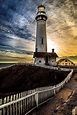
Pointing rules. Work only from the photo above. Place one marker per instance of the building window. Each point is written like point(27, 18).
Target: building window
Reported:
point(39, 61)
point(42, 41)
point(65, 60)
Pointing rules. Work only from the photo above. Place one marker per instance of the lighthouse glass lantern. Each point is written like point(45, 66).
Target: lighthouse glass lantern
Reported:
point(41, 8)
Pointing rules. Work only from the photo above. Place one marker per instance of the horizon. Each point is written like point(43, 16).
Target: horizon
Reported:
point(31, 61)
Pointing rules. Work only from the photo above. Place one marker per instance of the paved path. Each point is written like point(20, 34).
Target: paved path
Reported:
point(62, 103)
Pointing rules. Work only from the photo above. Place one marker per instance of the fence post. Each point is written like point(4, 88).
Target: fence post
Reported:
point(0, 104)
point(54, 90)
point(36, 98)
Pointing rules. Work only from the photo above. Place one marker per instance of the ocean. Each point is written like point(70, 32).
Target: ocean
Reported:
point(5, 65)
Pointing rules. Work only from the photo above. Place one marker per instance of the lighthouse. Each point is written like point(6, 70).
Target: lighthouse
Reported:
point(40, 55)
point(41, 40)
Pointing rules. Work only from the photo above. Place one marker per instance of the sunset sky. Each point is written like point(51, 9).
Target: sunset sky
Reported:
point(18, 28)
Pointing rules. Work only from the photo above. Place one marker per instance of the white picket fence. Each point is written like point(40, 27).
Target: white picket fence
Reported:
point(25, 102)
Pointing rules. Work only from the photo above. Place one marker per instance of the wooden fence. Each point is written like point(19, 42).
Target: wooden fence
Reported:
point(25, 102)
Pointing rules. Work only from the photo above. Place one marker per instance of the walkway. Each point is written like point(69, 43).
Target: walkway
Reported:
point(62, 103)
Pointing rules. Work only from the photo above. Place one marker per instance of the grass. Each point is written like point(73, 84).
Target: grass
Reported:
point(20, 78)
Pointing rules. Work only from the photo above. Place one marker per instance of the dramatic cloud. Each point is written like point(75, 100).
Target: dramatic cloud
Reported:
point(18, 28)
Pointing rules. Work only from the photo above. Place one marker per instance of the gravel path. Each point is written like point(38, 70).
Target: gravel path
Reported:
point(62, 103)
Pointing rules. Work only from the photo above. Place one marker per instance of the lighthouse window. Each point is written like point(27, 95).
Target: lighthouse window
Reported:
point(36, 49)
point(43, 18)
point(42, 41)
point(40, 17)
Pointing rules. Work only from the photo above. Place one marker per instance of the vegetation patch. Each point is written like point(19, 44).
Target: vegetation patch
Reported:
point(20, 78)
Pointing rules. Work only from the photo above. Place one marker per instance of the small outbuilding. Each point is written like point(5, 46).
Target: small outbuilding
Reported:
point(65, 62)
point(47, 58)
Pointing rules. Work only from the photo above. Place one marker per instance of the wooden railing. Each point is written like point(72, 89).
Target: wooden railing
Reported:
point(24, 103)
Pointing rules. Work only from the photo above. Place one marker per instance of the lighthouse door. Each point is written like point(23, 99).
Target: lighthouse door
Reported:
point(46, 60)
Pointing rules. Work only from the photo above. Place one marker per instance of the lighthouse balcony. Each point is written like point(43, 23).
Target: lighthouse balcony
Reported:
point(41, 17)
point(41, 13)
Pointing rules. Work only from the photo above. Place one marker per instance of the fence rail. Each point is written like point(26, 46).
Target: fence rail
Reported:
point(24, 103)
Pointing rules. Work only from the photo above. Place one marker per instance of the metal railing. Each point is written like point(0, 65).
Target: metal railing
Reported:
point(25, 103)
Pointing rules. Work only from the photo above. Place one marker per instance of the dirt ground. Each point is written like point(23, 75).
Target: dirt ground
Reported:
point(62, 103)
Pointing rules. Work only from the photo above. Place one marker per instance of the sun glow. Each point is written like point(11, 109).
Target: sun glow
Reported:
point(51, 45)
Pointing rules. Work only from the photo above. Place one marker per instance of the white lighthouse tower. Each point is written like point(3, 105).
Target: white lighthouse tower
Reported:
point(41, 40)
point(40, 55)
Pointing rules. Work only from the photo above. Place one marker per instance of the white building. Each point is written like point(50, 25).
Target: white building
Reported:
point(41, 56)
point(65, 62)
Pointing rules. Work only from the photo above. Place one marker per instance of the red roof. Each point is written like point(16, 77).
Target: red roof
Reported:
point(44, 54)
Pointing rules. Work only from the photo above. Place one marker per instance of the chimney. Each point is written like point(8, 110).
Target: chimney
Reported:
point(52, 50)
